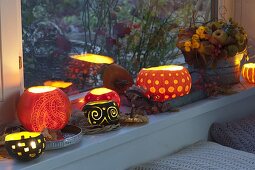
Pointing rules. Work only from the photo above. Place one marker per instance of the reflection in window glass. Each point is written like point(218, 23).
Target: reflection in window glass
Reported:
point(135, 33)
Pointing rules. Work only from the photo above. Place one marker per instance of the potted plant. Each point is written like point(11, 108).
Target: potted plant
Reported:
point(216, 48)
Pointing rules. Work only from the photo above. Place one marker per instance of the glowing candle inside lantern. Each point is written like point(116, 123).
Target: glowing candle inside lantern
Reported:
point(59, 84)
point(103, 93)
point(25, 146)
point(93, 58)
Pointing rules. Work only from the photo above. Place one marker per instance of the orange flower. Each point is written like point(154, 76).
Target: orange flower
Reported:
point(187, 44)
point(195, 44)
point(200, 30)
point(187, 49)
point(195, 37)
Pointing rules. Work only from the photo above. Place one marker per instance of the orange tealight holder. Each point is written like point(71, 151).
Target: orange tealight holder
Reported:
point(248, 72)
point(165, 82)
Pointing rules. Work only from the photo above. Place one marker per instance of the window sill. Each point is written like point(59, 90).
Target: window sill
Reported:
point(166, 133)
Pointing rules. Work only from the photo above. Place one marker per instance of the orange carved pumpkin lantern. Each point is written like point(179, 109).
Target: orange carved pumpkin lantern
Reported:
point(103, 93)
point(43, 107)
point(165, 82)
point(248, 72)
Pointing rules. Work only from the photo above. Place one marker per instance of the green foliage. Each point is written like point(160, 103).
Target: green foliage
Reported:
point(136, 33)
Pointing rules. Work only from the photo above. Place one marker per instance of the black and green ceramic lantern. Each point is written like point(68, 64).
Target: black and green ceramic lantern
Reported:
point(25, 146)
point(102, 113)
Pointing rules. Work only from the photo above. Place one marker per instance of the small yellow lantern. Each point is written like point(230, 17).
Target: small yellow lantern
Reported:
point(248, 72)
point(25, 146)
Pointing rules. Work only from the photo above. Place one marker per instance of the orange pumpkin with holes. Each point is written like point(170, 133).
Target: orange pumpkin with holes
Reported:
point(165, 82)
point(43, 107)
point(248, 72)
point(103, 93)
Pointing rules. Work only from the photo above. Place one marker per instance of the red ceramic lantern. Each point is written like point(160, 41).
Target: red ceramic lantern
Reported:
point(165, 82)
point(248, 72)
point(43, 107)
point(103, 93)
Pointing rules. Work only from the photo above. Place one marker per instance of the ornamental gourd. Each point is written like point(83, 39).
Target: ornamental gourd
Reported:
point(248, 72)
point(165, 82)
point(43, 107)
point(103, 93)
point(117, 78)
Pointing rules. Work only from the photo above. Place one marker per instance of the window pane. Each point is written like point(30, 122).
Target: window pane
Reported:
point(135, 33)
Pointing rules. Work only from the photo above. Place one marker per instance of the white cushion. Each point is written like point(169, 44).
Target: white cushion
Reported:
point(202, 156)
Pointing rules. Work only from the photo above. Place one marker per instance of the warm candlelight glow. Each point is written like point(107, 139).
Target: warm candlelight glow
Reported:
point(25, 146)
point(248, 72)
point(41, 89)
point(100, 91)
point(59, 84)
point(167, 67)
point(93, 58)
point(20, 135)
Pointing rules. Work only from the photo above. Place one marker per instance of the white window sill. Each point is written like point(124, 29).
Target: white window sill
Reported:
point(166, 133)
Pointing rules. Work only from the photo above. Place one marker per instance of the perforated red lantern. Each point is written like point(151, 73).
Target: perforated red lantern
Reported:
point(103, 93)
point(165, 82)
point(43, 107)
point(248, 72)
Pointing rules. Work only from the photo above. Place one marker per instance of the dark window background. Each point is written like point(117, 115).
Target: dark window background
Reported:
point(136, 33)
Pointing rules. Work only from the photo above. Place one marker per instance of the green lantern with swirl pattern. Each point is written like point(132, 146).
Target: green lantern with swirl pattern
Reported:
point(102, 113)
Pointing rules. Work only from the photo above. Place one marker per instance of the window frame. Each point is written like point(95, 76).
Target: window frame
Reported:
point(16, 4)
point(11, 74)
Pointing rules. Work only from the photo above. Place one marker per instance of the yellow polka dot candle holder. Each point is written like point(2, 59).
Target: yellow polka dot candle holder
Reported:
point(165, 82)
point(25, 146)
point(102, 113)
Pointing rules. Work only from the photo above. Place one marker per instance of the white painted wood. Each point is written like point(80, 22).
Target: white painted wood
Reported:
point(128, 146)
point(226, 9)
point(10, 50)
point(245, 13)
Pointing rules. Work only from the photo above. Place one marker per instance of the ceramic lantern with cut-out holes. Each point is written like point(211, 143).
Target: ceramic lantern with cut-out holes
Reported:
point(43, 107)
point(25, 146)
point(102, 113)
point(165, 82)
point(103, 93)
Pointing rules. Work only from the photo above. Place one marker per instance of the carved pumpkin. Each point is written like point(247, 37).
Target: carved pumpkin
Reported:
point(248, 72)
point(43, 107)
point(165, 82)
point(117, 78)
point(25, 146)
point(98, 94)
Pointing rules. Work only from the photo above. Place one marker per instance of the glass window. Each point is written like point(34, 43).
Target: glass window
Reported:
point(135, 33)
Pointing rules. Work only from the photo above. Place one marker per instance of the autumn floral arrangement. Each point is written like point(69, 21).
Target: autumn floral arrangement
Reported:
point(205, 45)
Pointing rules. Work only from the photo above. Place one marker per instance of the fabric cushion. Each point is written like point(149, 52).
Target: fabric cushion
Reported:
point(201, 156)
point(238, 134)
